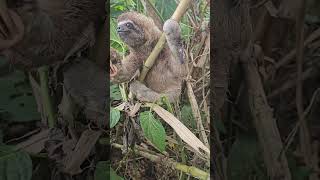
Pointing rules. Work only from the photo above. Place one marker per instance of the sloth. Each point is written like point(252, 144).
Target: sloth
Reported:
point(141, 35)
point(34, 33)
point(85, 81)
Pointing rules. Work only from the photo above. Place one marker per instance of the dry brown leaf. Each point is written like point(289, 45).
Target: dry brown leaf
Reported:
point(121, 106)
point(205, 54)
point(273, 11)
point(185, 134)
point(84, 146)
point(37, 94)
point(196, 113)
point(67, 108)
point(134, 109)
point(35, 144)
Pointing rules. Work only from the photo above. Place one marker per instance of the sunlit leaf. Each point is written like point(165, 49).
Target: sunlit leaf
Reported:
point(105, 172)
point(114, 117)
point(115, 93)
point(153, 130)
point(165, 8)
point(187, 116)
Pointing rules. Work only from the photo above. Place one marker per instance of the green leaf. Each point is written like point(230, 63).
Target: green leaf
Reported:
point(153, 130)
point(105, 172)
point(299, 172)
point(186, 31)
point(220, 126)
point(1, 136)
point(245, 159)
point(14, 165)
point(165, 8)
point(117, 7)
point(115, 93)
point(17, 101)
point(114, 117)
point(3, 61)
point(187, 116)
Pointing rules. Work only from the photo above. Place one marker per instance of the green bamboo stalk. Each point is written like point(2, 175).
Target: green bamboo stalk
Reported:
point(193, 171)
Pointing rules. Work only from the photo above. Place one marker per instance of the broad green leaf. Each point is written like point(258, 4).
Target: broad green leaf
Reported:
point(3, 61)
point(114, 117)
point(117, 7)
point(187, 116)
point(165, 8)
point(115, 93)
point(186, 31)
point(245, 159)
point(153, 130)
point(105, 172)
point(23, 108)
point(17, 101)
point(1, 136)
point(114, 176)
point(299, 172)
point(14, 165)
point(220, 126)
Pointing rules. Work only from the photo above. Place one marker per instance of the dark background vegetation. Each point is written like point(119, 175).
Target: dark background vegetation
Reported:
point(52, 119)
point(265, 89)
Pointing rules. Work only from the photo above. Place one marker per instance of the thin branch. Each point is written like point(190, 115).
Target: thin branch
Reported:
point(159, 158)
point(45, 93)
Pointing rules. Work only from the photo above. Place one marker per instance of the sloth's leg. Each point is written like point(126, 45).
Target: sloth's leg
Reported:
point(143, 93)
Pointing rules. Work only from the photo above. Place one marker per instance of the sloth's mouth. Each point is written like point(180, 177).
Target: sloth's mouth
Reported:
point(122, 31)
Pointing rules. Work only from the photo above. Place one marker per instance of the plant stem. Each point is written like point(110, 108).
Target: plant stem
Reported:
point(193, 171)
point(45, 94)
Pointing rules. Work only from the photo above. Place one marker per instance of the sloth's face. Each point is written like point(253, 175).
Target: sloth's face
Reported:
point(130, 33)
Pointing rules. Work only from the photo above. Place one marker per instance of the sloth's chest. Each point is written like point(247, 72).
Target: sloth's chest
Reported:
point(162, 77)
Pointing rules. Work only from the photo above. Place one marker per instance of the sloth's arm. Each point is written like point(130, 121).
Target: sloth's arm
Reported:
point(143, 93)
point(125, 69)
point(172, 31)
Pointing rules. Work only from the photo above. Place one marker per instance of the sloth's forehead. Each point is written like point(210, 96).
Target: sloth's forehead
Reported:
point(124, 22)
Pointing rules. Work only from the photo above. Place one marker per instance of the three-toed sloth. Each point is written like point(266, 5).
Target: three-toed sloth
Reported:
point(166, 75)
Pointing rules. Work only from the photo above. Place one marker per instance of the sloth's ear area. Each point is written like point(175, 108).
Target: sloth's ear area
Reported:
point(11, 27)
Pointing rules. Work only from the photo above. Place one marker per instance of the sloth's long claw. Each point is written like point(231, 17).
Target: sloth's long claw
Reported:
point(113, 70)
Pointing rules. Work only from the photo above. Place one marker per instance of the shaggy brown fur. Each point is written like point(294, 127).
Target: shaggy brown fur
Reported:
point(86, 83)
point(166, 75)
point(51, 29)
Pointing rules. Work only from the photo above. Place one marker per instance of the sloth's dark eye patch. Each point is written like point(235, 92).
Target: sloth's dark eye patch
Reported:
point(129, 25)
